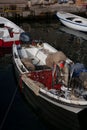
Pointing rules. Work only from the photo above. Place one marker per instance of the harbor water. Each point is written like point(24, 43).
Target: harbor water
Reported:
point(15, 112)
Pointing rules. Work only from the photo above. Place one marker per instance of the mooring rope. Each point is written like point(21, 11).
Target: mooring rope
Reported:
point(8, 109)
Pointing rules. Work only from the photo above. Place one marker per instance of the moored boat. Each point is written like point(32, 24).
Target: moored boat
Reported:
point(49, 81)
point(9, 33)
point(72, 21)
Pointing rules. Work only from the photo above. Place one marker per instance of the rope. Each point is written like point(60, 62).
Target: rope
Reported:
point(55, 74)
point(8, 109)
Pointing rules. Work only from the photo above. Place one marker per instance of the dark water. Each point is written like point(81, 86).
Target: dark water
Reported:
point(15, 113)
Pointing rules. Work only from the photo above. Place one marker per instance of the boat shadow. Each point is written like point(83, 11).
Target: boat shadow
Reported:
point(78, 34)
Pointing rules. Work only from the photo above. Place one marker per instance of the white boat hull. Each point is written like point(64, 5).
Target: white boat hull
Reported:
point(9, 33)
point(64, 18)
point(50, 106)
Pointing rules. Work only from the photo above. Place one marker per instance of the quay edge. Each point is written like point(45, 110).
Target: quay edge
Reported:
point(47, 11)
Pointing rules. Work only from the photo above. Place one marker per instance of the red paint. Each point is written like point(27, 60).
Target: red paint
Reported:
point(9, 43)
point(61, 65)
point(1, 42)
point(44, 77)
point(57, 86)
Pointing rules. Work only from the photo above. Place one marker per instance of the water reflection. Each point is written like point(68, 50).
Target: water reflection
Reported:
point(74, 33)
point(72, 43)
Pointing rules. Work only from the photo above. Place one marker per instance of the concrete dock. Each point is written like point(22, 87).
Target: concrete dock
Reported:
point(41, 10)
point(53, 8)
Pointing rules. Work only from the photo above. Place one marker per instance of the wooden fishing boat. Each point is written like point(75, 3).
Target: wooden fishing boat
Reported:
point(9, 33)
point(72, 21)
point(49, 84)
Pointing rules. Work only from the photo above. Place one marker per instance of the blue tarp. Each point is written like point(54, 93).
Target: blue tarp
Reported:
point(77, 68)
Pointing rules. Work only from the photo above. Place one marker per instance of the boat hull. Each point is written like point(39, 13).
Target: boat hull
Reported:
point(9, 33)
point(73, 25)
point(54, 115)
point(52, 112)
point(8, 44)
point(73, 21)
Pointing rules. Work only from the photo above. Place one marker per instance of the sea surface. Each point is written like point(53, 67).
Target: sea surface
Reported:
point(15, 112)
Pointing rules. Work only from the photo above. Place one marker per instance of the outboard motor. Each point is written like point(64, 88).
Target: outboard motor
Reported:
point(25, 37)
